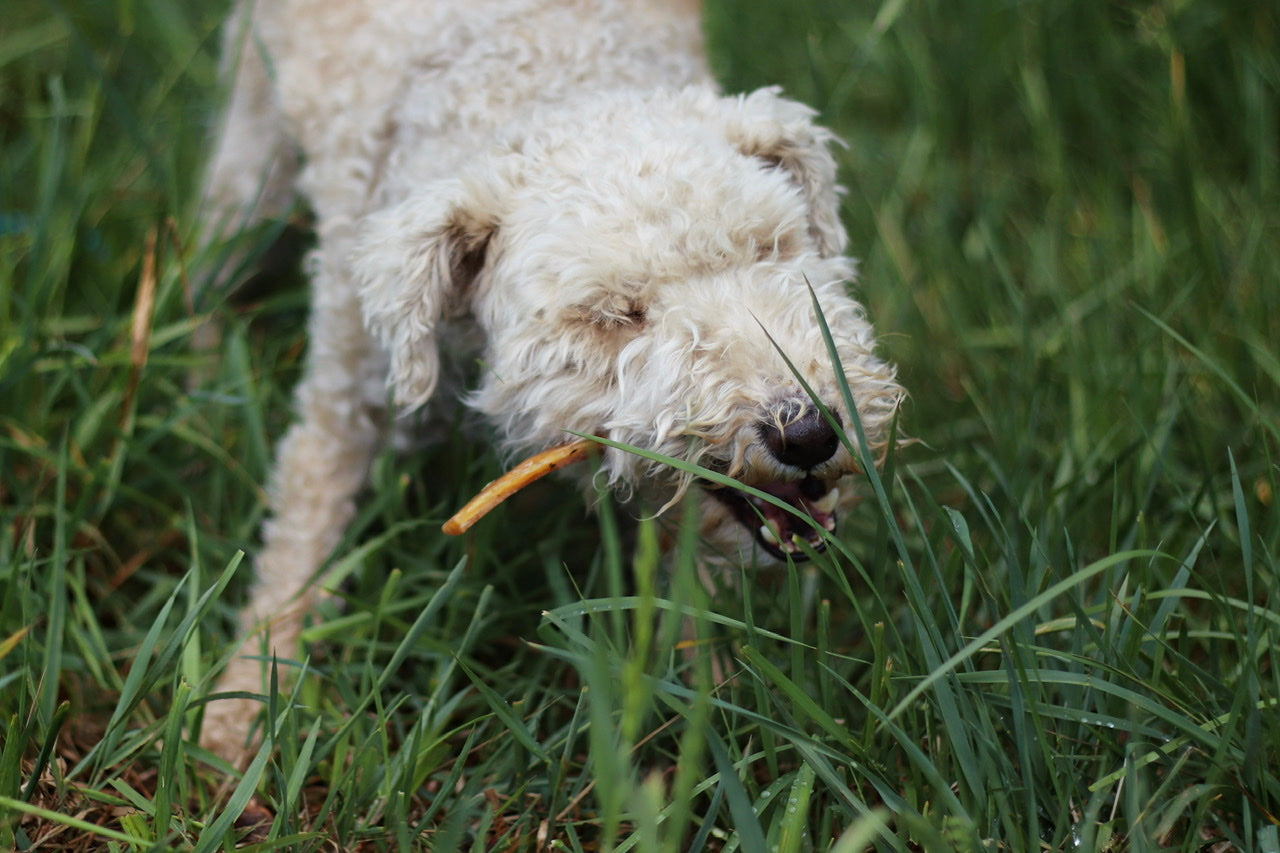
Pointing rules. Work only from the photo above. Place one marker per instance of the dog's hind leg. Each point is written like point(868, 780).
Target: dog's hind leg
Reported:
point(250, 175)
point(321, 464)
point(254, 163)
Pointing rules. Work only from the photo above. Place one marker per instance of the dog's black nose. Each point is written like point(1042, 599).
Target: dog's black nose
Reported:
point(803, 439)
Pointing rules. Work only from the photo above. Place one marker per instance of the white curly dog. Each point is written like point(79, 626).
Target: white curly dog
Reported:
point(556, 191)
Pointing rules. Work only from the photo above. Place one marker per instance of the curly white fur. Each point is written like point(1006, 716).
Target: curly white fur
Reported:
point(560, 182)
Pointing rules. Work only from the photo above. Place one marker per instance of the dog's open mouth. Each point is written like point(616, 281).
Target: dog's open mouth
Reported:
point(776, 530)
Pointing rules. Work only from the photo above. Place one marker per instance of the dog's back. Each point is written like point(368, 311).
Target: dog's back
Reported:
point(354, 81)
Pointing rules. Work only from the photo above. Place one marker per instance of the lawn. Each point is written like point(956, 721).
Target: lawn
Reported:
point(1053, 624)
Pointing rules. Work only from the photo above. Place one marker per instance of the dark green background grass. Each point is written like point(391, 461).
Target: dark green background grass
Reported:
point(1055, 628)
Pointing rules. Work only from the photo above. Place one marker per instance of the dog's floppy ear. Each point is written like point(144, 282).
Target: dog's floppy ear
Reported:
point(415, 264)
point(781, 131)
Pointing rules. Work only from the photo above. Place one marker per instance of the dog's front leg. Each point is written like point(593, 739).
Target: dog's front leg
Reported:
point(321, 463)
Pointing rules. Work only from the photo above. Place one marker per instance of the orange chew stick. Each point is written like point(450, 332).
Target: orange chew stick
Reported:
point(534, 468)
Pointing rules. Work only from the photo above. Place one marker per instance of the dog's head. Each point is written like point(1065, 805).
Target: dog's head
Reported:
point(638, 274)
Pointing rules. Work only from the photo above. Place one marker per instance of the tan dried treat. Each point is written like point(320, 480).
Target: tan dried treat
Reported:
point(534, 468)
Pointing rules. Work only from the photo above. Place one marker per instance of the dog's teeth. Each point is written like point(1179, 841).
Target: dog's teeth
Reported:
point(827, 502)
point(829, 523)
point(768, 536)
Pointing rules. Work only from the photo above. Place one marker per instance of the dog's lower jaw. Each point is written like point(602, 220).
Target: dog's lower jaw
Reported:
point(775, 529)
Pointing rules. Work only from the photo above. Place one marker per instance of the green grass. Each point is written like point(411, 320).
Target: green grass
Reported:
point(1053, 625)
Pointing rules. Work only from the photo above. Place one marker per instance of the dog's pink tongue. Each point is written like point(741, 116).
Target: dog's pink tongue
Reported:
point(781, 528)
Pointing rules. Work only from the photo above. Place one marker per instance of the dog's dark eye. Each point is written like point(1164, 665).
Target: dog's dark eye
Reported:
point(631, 316)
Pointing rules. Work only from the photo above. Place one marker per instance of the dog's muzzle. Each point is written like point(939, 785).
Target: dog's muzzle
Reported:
point(797, 436)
